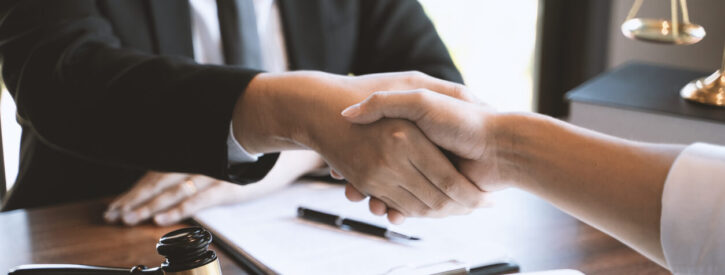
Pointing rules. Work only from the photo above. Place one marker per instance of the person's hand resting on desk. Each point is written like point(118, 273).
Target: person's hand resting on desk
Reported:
point(168, 198)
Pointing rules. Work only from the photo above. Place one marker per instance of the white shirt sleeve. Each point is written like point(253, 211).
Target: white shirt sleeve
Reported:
point(235, 151)
point(693, 211)
point(206, 39)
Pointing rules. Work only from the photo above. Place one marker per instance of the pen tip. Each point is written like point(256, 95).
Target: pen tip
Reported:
point(414, 238)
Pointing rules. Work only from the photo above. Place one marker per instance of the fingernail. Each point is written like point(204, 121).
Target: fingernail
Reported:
point(166, 218)
point(351, 111)
point(135, 217)
point(111, 215)
point(130, 218)
point(162, 219)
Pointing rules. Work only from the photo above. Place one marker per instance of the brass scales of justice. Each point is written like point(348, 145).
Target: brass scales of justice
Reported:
point(709, 90)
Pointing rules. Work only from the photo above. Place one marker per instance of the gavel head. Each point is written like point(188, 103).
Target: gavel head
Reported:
point(187, 253)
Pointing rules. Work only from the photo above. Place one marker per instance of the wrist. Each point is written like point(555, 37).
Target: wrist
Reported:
point(258, 120)
point(285, 111)
point(522, 143)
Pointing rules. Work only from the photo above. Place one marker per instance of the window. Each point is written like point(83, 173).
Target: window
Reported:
point(10, 136)
point(493, 44)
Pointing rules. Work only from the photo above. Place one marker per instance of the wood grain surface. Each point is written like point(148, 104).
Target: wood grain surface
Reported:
point(539, 237)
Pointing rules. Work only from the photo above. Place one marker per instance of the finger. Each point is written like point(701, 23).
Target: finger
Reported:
point(188, 207)
point(146, 188)
point(446, 87)
point(414, 180)
point(353, 194)
point(143, 182)
point(112, 215)
point(410, 105)
point(171, 196)
point(377, 206)
point(435, 167)
point(417, 80)
point(395, 217)
point(336, 175)
point(439, 204)
point(406, 202)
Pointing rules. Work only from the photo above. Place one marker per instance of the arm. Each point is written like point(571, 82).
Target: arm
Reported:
point(611, 183)
point(83, 93)
point(168, 198)
point(391, 160)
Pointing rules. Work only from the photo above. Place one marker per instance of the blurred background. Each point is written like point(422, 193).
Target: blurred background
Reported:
point(524, 55)
point(493, 44)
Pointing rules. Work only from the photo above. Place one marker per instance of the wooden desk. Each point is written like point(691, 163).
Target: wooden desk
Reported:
point(539, 237)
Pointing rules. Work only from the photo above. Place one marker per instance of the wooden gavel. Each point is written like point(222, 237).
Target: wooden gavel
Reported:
point(186, 251)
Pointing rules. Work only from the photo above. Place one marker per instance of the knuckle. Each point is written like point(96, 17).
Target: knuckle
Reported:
point(399, 131)
point(439, 204)
point(413, 77)
point(418, 74)
point(178, 190)
point(458, 91)
point(376, 97)
point(449, 184)
point(420, 96)
point(398, 138)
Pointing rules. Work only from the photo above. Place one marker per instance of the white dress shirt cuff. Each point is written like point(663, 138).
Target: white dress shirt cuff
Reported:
point(235, 151)
point(693, 211)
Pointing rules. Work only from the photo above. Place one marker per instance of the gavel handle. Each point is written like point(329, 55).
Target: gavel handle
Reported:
point(73, 269)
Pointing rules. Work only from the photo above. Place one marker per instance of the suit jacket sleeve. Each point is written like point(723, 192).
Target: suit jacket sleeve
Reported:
point(83, 93)
point(398, 36)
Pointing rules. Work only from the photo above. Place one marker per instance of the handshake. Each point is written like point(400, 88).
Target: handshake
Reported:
point(423, 147)
point(417, 145)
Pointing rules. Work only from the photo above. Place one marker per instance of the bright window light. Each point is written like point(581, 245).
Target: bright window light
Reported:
point(493, 44)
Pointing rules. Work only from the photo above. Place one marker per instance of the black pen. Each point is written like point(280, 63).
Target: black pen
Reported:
point(349, 224)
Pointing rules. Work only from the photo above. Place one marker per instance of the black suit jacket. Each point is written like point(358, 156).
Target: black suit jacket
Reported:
point(108, 89)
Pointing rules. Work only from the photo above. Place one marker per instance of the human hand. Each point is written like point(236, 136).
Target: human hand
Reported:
point(168, 198)
point(390, 160)
point(466, 129)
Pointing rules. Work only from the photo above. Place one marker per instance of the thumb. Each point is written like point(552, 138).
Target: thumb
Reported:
point(410, 105)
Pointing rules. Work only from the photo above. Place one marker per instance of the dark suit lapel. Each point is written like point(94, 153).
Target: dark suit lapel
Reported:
point(303, 29)
point(171, 21)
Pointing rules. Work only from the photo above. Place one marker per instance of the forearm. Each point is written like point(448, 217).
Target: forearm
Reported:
point(285, 111)
point(84, 93)
point(611, 183)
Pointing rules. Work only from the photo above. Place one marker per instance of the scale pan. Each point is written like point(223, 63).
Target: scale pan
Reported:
point(660, 31)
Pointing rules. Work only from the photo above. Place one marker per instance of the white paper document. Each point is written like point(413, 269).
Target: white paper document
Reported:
point(268, 230)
